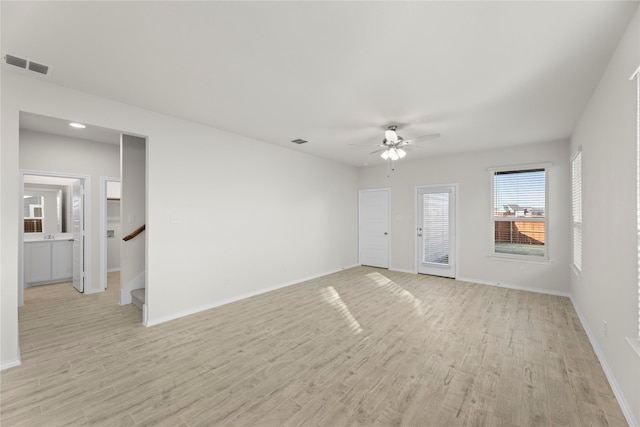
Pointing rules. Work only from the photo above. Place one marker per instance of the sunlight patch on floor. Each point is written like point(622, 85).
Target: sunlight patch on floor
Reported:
point(397, 290)
point(330, 295)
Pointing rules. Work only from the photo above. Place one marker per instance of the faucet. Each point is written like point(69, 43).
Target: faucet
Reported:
point(49, 236)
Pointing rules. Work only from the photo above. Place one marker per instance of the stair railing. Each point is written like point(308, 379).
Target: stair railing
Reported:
point(134, 233)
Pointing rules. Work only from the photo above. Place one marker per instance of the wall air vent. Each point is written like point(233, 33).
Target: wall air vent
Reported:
point(299, 141)
point(27, 65)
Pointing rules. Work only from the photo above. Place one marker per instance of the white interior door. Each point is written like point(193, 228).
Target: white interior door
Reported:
point(78, 235)
point(437, 230)
point(373, 227)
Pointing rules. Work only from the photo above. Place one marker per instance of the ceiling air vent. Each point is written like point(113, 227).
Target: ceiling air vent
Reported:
point(26, 64)
point(299, 141)
point(38, 68)
point(14, 60)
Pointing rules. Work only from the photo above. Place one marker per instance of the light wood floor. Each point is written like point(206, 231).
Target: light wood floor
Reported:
point(359, 347)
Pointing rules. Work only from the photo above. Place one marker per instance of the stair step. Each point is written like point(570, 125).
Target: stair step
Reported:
point(138, 297)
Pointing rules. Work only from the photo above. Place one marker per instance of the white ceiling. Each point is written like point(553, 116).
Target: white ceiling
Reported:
point(58, 126)
point(483, 74)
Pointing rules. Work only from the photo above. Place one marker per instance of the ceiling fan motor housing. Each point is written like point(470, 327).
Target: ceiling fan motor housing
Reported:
point(391, 138)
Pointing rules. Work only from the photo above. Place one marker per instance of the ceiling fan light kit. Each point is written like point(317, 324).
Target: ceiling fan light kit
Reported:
point(393, 154)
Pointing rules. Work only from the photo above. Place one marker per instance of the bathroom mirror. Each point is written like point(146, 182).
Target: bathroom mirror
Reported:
point(47, 204)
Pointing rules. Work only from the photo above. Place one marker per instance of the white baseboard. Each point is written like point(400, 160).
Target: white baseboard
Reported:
point(219, 303)
point(112, 270)
point(11, 364)
point(624, 405)
point(517, 287)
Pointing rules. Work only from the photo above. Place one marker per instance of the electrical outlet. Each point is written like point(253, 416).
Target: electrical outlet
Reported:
point(604, 329)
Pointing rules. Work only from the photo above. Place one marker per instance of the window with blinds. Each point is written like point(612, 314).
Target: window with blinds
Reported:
point(519, 203)
point(576, 210)
point(636, 76)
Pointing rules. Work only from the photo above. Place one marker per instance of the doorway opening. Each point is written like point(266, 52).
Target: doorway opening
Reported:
point(50, 146)
point(110, 228)
point(55, 243)
point(99, 157)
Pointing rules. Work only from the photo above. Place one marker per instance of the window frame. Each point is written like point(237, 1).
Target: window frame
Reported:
point(493, 219)
point(636, 76)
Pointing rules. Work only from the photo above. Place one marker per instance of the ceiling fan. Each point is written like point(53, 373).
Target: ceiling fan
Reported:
point(393, 145)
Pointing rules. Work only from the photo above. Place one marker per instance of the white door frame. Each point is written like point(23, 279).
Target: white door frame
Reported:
point(102, 284)
point(456, 237)
point(388, 191)
point(86, 182)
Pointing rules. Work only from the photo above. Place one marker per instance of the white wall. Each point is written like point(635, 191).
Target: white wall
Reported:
point(252, 216)
point(52, 153)
point(470, 171)
point(246, 216)
point(9, 229)
point(607, 290)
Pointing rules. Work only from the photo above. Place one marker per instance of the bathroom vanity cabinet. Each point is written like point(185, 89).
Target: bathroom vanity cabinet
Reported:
point(47, 261)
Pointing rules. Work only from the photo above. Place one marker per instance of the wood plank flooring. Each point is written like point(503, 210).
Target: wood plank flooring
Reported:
point(361, 347)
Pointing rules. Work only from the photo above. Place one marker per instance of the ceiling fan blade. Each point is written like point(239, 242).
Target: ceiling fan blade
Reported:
point(365, 146)
point(384, 146)
point(422, 138)
point(378, 151)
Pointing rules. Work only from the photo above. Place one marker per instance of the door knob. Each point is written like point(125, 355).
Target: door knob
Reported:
point(385, 233)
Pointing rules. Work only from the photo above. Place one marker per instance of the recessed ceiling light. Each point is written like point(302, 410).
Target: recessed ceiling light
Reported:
point(77, 125)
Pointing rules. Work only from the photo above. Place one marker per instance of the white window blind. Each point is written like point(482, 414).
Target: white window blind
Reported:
point(519, 202)
point(436, 227)
point(576, 209)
